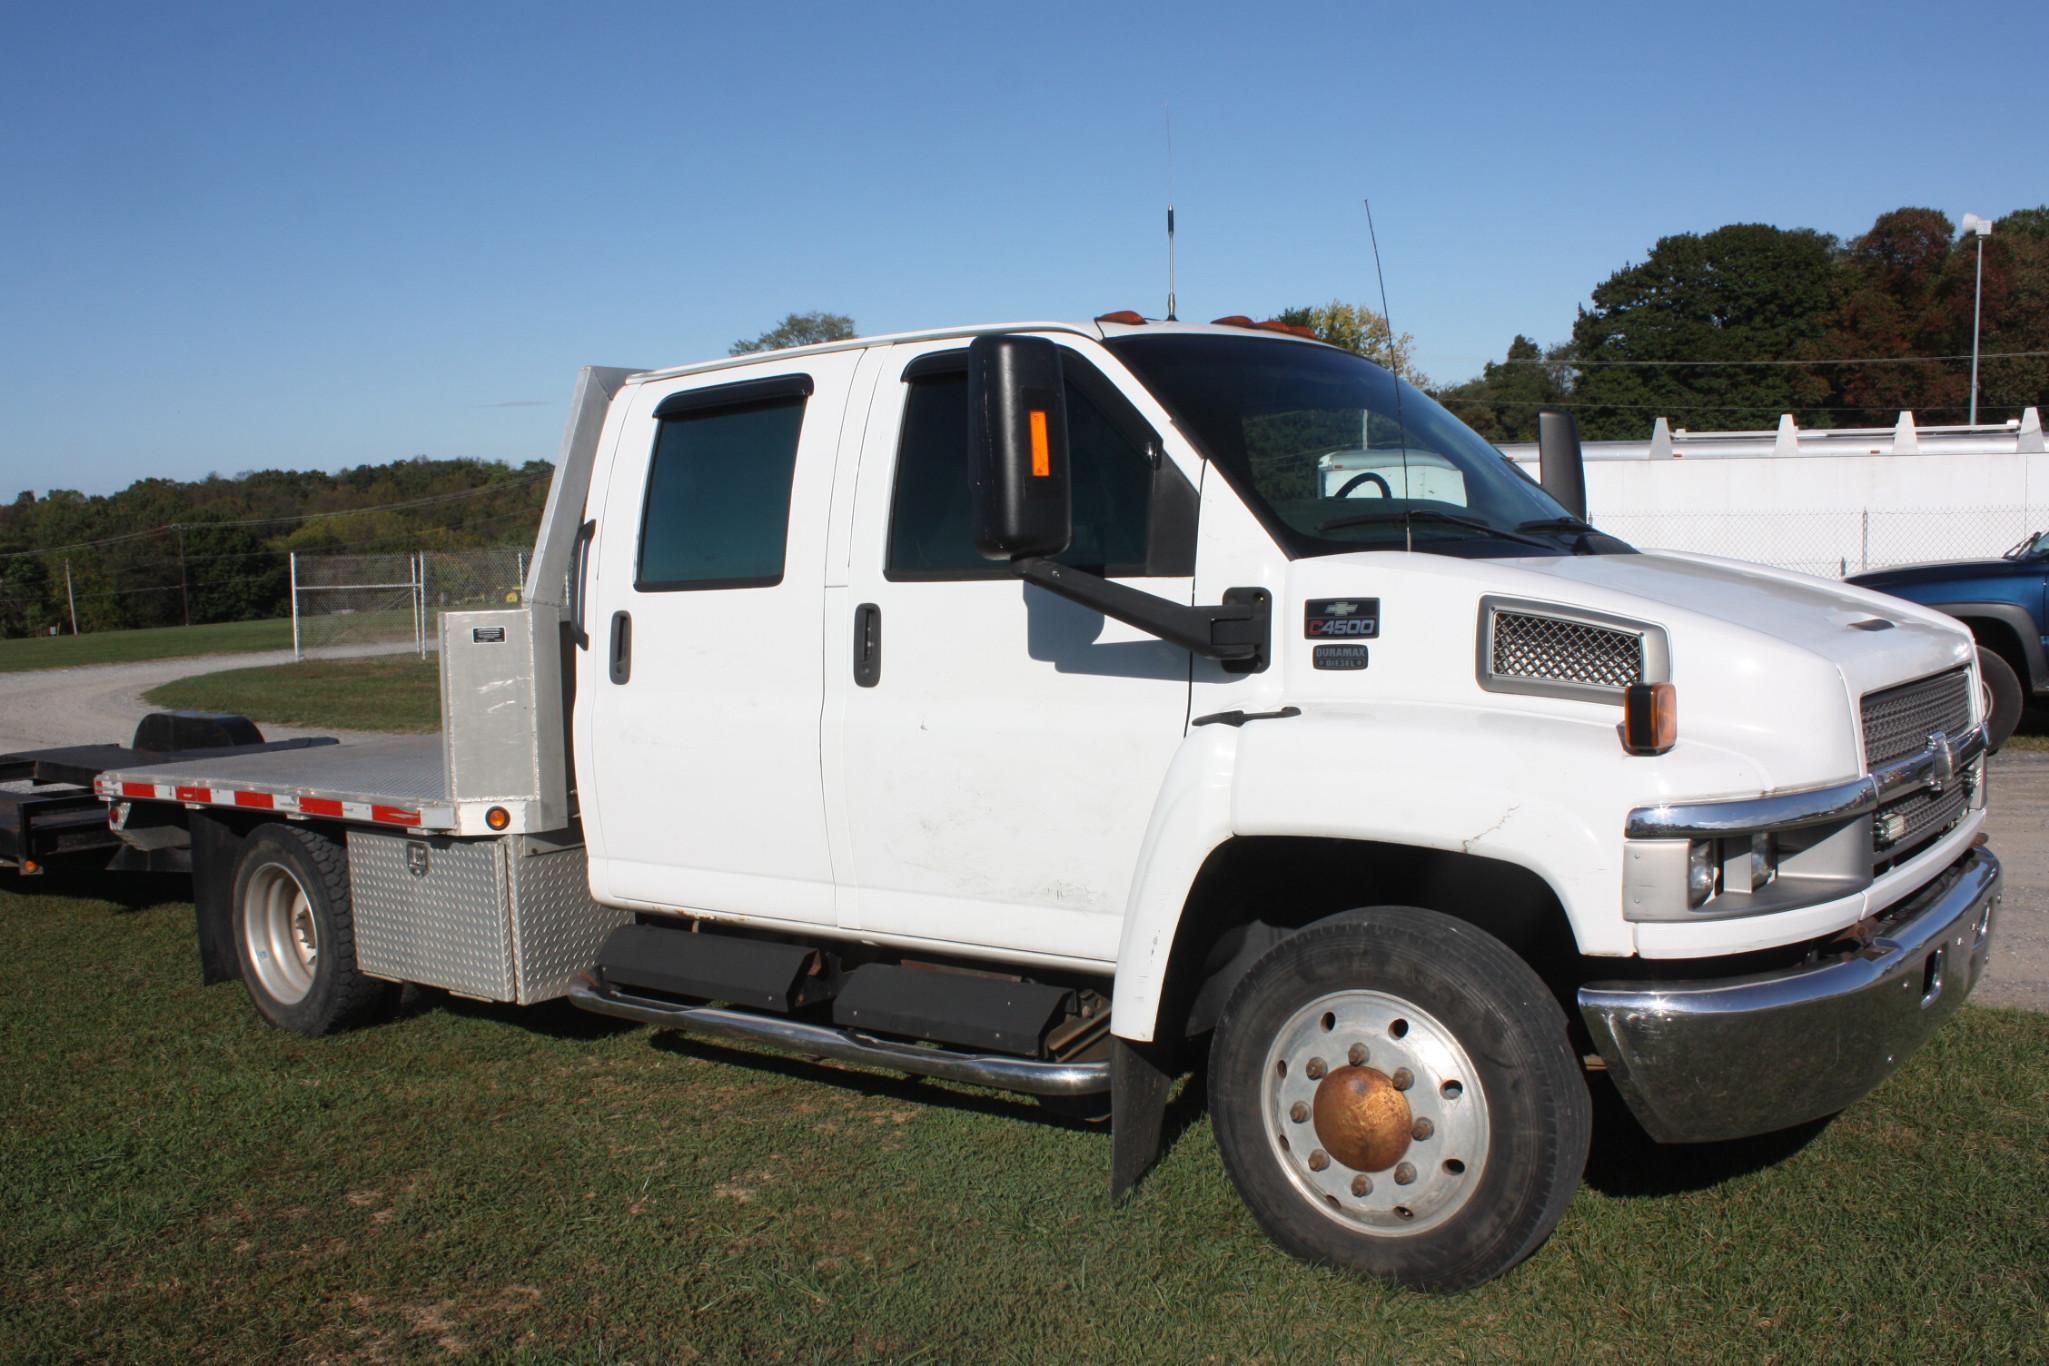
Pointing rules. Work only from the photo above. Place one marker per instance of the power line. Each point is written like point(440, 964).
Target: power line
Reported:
point(1684, 406)
point(1829, 360)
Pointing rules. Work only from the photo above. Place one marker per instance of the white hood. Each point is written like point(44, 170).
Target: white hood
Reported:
point(1819, 616)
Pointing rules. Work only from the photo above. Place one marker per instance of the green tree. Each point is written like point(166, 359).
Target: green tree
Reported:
point(798, 329)
point(1361, 330)
point(2016, 313)
point(1503, 402)
point(1747, 292)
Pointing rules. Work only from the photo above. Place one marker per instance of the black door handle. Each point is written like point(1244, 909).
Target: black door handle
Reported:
point(867, 645)
point(579, 570)
point(622, 647)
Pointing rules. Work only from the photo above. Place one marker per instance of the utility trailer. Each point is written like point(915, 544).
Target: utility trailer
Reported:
point(50, 805)
point(1022, 704)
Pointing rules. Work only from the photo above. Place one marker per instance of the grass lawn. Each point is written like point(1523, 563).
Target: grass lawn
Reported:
point(183, 1182)
point(127, 647)
point(378, 692)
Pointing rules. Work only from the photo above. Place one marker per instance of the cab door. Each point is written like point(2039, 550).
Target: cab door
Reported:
point(998, 748)
point(700, 691)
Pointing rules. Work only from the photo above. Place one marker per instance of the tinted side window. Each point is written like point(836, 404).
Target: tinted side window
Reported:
point(931, 514)
point(717, 513)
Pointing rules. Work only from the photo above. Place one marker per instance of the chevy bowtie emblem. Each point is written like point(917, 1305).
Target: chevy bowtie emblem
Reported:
point(1945, 771)
point(1341, 609)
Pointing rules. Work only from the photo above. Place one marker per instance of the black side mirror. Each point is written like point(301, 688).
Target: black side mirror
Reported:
point(1561, 468)
point(1017, 439)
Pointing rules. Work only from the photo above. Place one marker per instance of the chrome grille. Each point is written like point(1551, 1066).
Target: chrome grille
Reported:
point(1526, 645)
point(1898, 721)
point(1927, 814)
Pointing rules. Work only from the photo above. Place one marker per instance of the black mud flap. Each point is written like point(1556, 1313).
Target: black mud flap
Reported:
point(216, 850)
point(1140, 1075)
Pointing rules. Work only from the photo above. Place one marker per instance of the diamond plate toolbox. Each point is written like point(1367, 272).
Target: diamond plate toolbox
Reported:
point(500, 920)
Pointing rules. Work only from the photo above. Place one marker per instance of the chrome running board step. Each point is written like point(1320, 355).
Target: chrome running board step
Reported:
point(1031, 1075)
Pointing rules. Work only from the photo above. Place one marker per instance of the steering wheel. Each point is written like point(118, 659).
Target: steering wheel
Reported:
point(1359, 479)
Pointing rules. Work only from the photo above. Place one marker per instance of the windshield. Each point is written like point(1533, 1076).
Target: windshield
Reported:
point(1312, 437)
point(2036, 547)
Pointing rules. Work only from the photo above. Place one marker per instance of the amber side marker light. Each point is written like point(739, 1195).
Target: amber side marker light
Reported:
point(497, 818)
point(1650, 718)
point(1042, 450)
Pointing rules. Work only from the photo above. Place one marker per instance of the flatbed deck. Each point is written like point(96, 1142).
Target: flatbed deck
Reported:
point(396, 781)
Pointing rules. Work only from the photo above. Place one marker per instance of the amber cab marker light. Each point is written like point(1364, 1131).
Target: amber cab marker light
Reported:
point(497, 818)
point(1128, 316)
point(1233, 320)
point(1650, 718)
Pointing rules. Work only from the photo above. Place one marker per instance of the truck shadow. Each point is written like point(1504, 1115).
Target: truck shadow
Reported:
point(89, 880)
point(1626, 1162)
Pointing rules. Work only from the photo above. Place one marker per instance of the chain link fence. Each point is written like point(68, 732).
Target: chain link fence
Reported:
point(1832, 542)
point(396, 599)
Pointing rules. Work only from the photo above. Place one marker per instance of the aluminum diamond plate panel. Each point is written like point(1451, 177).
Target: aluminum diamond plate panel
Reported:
point(556, 927)
point(432, 911)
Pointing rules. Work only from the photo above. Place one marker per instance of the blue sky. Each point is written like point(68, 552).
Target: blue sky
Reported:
point(294, 235)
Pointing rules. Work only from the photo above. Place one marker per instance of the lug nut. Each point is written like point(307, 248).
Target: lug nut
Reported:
point(1362, 1185)
point(1319, 1159)
point(1314, 1069)
point(1298, 1112)
point(1403, 1174)
point(1421, 1130)
point(1403, 1079)
point(1357, 1057)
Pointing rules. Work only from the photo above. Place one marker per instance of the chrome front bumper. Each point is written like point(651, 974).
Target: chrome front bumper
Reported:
point(1726, 1058)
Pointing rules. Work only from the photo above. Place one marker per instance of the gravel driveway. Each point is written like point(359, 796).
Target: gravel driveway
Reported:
point(102, 702)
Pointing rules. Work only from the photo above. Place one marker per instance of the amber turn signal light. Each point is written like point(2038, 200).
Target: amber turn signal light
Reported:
point(497, 818)
point(1650, 718)
point(1042, 449)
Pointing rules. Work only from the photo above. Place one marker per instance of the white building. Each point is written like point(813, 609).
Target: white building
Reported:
point(1826, 502)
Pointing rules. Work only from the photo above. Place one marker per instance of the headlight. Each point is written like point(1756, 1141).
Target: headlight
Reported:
point(1700, 871)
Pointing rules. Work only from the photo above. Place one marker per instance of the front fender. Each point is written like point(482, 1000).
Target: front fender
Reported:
point(1548, 793)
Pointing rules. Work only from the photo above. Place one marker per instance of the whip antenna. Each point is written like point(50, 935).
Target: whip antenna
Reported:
point(1401, 427)
point(1169, 113)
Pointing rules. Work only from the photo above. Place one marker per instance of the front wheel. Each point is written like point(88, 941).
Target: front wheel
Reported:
point(1395, 1092)
point(2003, 697)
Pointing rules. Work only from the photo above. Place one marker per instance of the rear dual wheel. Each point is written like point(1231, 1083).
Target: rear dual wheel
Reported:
point(1395, 1092)
point(295, 934)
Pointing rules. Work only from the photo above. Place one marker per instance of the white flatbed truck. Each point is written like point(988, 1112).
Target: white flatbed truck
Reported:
point(1022, 704)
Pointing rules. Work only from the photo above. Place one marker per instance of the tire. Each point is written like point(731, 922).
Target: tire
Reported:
point(1326, 1140)
point(295, 936)
point(2003, 696)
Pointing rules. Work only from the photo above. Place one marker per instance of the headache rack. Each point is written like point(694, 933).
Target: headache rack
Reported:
point(500, 765)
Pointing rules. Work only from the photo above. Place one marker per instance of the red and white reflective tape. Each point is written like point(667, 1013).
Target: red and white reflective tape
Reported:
point(285, 804)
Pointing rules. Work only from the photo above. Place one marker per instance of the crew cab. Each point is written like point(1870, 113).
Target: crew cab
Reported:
point(1026, 704)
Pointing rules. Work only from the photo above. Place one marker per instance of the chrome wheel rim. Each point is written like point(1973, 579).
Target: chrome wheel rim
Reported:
point(1375, 1112)
point(282, 933)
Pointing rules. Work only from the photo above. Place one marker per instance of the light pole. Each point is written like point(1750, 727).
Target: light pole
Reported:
point(1979, 228)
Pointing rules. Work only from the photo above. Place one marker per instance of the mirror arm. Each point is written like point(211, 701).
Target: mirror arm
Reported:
point(1237, 632)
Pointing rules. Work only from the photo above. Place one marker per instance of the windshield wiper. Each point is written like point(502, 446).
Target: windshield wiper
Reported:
point(1432, 515)
point(1577, 528)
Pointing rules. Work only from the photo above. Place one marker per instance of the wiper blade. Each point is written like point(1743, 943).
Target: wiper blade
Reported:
point(1573, 526)
point(1432, 515)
